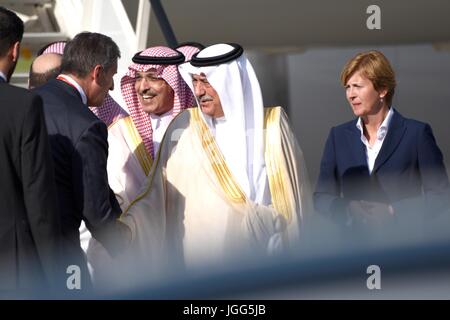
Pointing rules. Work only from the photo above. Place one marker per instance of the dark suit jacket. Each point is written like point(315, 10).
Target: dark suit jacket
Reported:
point(409, 172)
point(78, 141)
point(29, 220)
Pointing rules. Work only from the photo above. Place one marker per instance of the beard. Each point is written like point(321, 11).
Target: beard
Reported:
point(11, 70)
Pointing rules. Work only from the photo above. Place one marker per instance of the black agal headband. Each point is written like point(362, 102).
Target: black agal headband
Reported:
point(173, 60)
point(223, 58)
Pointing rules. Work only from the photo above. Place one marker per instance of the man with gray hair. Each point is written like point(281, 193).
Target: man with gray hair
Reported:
point(79, 145)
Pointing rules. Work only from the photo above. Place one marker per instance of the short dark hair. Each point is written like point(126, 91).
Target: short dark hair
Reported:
point(37, 79)
point(11, 30)
point(87, 50)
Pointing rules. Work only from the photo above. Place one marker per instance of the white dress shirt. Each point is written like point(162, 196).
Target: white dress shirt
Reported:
point(159, 126)
point(70, 80)
point(372, 151)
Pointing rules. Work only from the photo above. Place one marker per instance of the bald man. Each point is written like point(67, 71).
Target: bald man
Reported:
point(44, 68)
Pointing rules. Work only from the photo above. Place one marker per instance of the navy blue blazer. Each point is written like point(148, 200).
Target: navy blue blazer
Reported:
point(409, 169)
point(78, 142)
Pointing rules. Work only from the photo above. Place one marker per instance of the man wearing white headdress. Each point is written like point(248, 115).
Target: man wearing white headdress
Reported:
point(229, 179)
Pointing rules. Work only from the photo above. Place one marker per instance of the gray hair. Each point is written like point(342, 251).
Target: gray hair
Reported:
point(87, 50)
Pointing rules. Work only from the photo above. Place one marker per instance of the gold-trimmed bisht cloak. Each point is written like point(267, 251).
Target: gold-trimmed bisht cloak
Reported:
point(193, 213)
